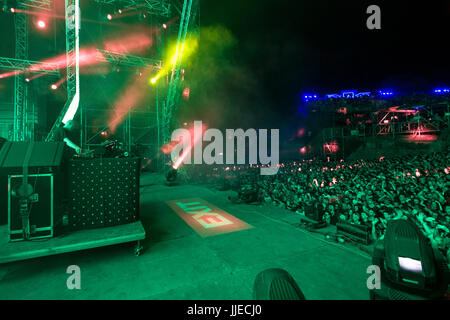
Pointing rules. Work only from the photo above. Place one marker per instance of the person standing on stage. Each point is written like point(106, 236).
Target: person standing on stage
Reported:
point(69, 134)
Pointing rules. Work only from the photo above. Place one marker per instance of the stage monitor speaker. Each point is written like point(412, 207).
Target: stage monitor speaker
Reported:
point(44, 156)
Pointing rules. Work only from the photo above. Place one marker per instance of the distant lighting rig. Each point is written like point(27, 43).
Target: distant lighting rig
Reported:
point(6, 7)
point(441, 90)
point(349, 94)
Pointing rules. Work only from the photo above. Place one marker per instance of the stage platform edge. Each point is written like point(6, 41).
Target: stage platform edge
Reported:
point(70, 242)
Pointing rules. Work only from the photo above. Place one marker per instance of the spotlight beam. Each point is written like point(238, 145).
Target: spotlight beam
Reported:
point(195, 140)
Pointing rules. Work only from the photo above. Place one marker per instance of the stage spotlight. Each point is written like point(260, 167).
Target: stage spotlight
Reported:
point(142, 16)
point(54, 87)
point(411, 269)
point(120, 11)
point(171, 176)
point(186, 93)
point(8, 6)
point(164, 26)
point(27, 79)
point(276, 284)
point(41, 24)
point(109, 16)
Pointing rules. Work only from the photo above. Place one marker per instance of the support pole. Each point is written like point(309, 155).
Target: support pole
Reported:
point(20, 85)
point(73, 64)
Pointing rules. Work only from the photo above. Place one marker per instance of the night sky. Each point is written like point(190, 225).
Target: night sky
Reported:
point(277, 50)
point(324, 46)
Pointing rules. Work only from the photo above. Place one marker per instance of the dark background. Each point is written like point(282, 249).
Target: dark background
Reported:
point(325, 45)
point(295, 47)
point(279, 50)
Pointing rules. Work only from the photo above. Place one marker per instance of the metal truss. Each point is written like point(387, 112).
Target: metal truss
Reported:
point(129, 60)
point(71, 34)
point(156, 7)
point(23, 129)
point(188, 13)
point(37, 4)
point(194, 20)
point(29, 66)
point(20, 85)
point(72, 55)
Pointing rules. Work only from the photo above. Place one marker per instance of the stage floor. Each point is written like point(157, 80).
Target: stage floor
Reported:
point(179, 262)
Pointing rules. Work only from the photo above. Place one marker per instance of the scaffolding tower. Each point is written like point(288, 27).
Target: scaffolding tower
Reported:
point(22, 123)
point(186, 17)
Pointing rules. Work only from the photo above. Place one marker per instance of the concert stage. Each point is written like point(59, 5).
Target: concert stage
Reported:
point(179, 263)
point(74, 241)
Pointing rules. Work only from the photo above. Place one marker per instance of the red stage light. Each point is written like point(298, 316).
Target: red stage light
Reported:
point(27, 79)
point(186, 93)
point(164, 26)
point(12, 10)
point(109, 16)
point(54, 87)
point(331, 147)
point(41, 24)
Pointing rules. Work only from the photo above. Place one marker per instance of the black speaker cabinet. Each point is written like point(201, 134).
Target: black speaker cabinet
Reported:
point(43, 156)
point(103, 192)
point(40, 208)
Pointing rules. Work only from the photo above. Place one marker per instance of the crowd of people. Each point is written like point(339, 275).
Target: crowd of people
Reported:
point(360, 192)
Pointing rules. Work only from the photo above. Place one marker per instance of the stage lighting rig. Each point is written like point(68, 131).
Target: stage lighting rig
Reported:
point(9, 6)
